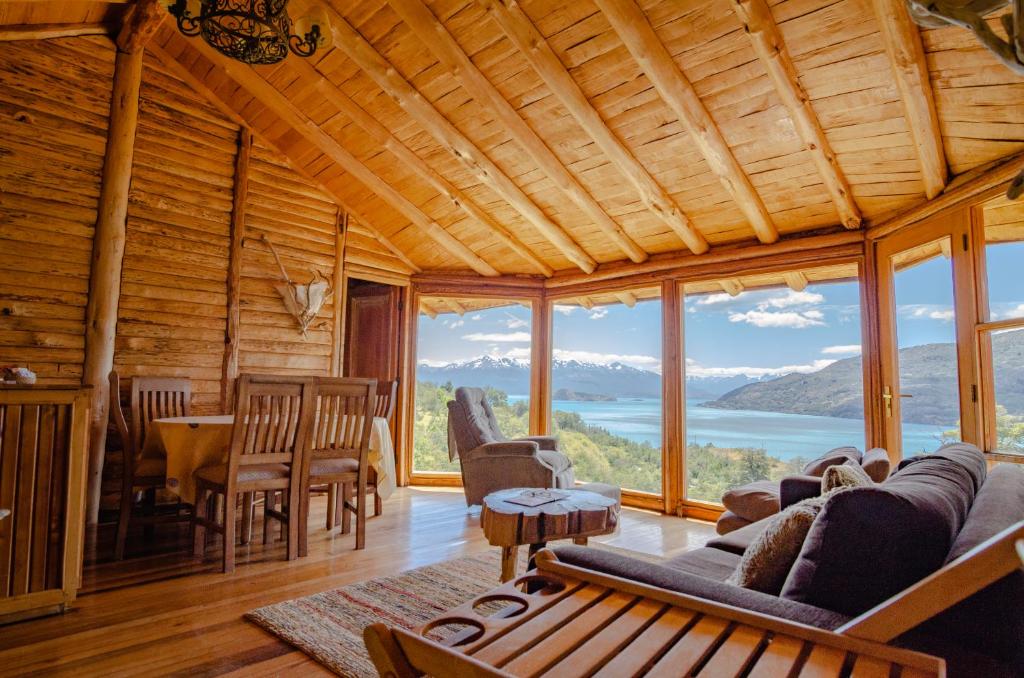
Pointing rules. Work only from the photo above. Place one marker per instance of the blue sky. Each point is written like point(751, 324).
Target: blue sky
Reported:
point(761, 332)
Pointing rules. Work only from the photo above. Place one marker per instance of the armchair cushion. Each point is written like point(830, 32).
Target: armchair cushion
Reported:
point(838, 455)
point(753, 501)
point(544, 442)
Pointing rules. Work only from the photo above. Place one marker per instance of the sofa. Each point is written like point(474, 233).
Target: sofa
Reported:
point(749, 503)
point(867, 544)
point(489, 461)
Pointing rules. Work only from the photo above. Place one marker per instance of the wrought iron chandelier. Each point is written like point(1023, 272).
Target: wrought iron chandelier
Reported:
point(251, 31)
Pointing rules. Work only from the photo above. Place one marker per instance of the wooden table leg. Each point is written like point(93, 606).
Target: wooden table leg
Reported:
point(509, 555)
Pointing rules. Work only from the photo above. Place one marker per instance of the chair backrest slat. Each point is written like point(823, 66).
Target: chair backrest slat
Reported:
point(156, 398)
point(387, 394)
point(344, 417)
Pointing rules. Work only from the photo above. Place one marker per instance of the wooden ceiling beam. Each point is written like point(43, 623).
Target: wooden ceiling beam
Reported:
point(283, 108)
point(371, 126)
point(437, 38)
point(455, 306)
point(633, 28)
point(771, 49)
point(532, 45)
point(141, 22)
point(200, 88)
point(428, 310)
point(732, 286)
point(48, 31)
point(586, 302)
point(795, 280)
point(423, 112)
point(627, 298)
point(906, 55)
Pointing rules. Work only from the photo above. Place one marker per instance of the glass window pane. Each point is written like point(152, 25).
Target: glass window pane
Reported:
point(1004, 253)
point(926, 337)
point(606, 390)
point(1008, 382)
point(773, 379)
point(487, 346)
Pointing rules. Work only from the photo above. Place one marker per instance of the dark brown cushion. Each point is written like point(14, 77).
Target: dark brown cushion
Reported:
point(872, 542)
point(729, 521)
point(246, 474)
point(674, 579)
point(711, 563)
point(753, 501)
point(876, 464)
point(739, 539)
point(327, 467)
point(837, 455)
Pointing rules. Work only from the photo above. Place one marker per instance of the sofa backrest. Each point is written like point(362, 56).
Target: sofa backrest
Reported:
point(838, 455)
point(869, 543)
point(992, 620)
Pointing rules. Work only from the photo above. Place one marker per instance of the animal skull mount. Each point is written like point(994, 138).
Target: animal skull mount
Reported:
point(302, 301)
point(970, 14)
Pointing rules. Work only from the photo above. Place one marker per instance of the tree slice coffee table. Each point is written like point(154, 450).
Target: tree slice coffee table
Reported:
point(581, 514)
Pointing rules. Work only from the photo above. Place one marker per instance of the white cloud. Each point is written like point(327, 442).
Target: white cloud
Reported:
point(433, 363)
point(514, 323)
point(695, 370)
point(790, 319)
point(1017, 312)
point(845, 349)
point(475, 317)
point(791, 298)
point(720, 298)
point(644, 362)
point(927, 312)
point(598, 313)
point(508, 337)
point(452, 324)
point(564, 309)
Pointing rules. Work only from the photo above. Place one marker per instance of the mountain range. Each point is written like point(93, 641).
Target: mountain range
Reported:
point(927, 372)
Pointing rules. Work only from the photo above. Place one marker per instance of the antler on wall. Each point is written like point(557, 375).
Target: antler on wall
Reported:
point(302, 301)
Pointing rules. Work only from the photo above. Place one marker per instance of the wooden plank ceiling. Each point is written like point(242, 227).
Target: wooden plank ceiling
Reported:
point(557, 135)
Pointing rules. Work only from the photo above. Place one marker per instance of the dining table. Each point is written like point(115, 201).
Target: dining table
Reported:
point(192, 442)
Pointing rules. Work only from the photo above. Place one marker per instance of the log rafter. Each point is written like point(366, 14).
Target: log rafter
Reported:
point(451, 55)
point(141, 22)
point(200, 88)
point(383, 136)
point(770, 47)
point(49, 31)
point(423, 112)
point(906, 55)
point(525, 36)
point(631, 25)
point(795, 280)
point(283, 108)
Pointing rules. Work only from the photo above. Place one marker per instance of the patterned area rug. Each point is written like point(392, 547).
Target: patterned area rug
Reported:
point(329, 626)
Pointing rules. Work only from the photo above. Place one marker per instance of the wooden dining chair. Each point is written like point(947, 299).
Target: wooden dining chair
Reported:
point(387, 394)
point(340, 448)
point(266, 454)
point(150, 398)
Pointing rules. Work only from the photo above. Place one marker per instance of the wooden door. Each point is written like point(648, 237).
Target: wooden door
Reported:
point(373, 331)
point(925, 275)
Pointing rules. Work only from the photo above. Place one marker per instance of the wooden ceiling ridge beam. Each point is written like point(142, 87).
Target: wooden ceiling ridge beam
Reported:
point(283, 108)
point(435, 35)
point(533, 46)
point(631, 25)
point(770, 47)
point(55, 30)
point(371, 126)
point(423, 112)
point(906, 55)
point(795, 280)
point(200, 88)
point(141, 22)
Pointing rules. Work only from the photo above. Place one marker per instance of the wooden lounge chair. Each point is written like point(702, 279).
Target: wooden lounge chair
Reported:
point(578, 621)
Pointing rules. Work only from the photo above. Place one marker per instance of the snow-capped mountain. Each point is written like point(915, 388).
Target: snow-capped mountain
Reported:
point(614, 379)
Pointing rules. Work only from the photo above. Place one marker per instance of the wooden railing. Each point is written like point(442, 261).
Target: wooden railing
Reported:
point(43, 450)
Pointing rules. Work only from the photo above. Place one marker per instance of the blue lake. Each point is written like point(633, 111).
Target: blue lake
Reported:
point(782, 435)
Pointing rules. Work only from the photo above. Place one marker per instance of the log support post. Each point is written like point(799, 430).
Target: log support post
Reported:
point(110, 235)
point(229, 372)
point(340, 296)
point(540, 359)
point(673, 461)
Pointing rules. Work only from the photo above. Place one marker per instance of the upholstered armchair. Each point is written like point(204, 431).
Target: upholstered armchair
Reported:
point(492, 462)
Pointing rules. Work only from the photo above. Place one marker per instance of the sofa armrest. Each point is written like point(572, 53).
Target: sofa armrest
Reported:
point(544, 442)
point(793, 489)
point(654, 574)
point(507, 448)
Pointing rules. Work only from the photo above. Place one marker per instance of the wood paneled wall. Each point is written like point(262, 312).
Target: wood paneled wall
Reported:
point(54, 108)
point(173, 308)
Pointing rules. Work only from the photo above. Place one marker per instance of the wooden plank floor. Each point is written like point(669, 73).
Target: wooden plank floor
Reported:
point(164, 613)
